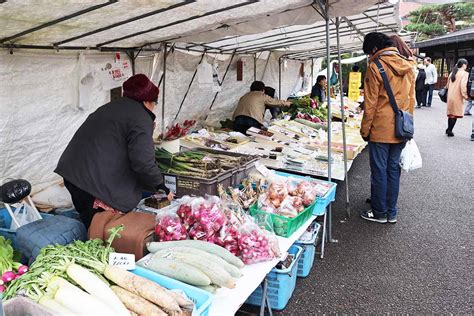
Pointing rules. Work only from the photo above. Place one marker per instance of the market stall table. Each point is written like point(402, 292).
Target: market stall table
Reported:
point(228, 301)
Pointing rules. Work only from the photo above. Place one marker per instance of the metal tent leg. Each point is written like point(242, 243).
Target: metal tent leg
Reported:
point(265, 299)
point(348, 211)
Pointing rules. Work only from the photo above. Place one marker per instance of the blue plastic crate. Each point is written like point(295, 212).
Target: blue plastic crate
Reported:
point(5, 223)
point(281, 284)
point(201, 298)
point(321, 202)
point(306, 261)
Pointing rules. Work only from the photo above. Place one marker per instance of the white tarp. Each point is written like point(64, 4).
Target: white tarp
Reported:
point(45, 96)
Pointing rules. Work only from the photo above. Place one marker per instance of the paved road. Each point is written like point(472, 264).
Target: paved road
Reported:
point(422, 264)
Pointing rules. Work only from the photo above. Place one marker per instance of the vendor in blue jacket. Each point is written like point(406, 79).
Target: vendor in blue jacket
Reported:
point(111, 158)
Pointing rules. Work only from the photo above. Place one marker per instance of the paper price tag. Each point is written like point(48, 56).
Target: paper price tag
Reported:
point(125, 261)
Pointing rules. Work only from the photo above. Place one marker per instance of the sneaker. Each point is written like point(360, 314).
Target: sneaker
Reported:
point(450, 134)
point(392, 219)
point(472, 137)
point(370, 216)
point(468, 114)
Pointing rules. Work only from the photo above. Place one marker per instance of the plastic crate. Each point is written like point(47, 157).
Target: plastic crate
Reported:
point(5, 223)
point(184, 185)
point(322, 202)
point(281, 284)
point(282, 226)
point(309, 252)
point(201, 298)
point(243, 172)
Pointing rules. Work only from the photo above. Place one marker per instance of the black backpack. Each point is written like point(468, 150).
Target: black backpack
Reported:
point(470, 86)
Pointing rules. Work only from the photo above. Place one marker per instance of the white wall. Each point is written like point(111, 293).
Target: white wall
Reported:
point(39, 108)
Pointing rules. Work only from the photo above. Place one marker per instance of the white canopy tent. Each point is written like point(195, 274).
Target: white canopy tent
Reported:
point(54, 50)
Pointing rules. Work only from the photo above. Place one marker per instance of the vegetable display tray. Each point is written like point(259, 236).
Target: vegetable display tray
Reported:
point(201, 298)
point(305, 264)
point(281, 284)
point(5, 223)
point(322, 202)
point(282, 226)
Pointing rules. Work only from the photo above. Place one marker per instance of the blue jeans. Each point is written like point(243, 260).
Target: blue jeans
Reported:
point(385, 177)
point(429, 93)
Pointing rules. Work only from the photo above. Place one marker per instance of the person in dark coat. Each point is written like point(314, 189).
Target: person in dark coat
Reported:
point(111, 159)
point(420, 87)
point(319, 88)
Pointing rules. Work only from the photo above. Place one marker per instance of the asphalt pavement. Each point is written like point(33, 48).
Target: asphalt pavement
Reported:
point(422, 264)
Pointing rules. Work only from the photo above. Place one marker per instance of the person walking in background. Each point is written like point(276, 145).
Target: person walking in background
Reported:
point(470, 92)
point(378, 123)
point(430, 81)
point(420, 86)
point(457, 94)
point(319, 88)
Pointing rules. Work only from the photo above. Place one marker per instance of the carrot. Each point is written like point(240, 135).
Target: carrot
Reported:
point(137, 304)
point(143, 287)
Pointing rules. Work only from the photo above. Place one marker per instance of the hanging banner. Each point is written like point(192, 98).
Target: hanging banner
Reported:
point(114, 74)
point(354, 85)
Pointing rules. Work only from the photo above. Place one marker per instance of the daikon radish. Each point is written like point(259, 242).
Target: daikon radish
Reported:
point(143, 287)
point(136, 303)
point(177, 270)
point(55, 307)
point(198, 244)
point(81, 303)
point(183, 302)
point(96, 287)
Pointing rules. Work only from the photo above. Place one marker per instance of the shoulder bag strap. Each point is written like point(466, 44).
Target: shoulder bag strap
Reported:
point(386, 84)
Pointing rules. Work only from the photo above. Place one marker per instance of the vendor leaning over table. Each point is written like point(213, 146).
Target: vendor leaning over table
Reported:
point(250, 111)
point(111, 159)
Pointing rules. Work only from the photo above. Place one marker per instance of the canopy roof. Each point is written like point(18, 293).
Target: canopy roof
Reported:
point(214, 26)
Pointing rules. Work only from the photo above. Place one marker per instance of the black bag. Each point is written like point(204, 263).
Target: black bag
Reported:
point(404, 128)
point(14, 191)
point(443, 94)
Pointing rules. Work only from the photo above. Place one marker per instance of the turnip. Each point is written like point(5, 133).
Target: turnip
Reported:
point(8, 276)
point(22, 269)
point(2, 288)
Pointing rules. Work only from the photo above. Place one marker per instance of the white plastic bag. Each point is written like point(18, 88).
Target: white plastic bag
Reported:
point(24, 214)
point(410, 159)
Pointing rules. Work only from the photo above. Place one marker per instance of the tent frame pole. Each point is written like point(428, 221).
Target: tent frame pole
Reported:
point(312, 72)
point(255, 67)
point(279, 77)
point(189, 86)
point(163, 92)
point(266, 64)
point(348, 212)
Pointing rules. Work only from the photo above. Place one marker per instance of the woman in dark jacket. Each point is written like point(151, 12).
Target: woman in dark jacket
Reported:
point(319, 89)
point(420, 86)
point(111, 158)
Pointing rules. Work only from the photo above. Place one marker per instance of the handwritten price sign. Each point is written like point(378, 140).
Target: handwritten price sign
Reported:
point(125, 261)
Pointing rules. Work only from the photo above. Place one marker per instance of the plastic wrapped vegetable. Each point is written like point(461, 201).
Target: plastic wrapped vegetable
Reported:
point(207, 213)
point(169, 227)
point(256, 244)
